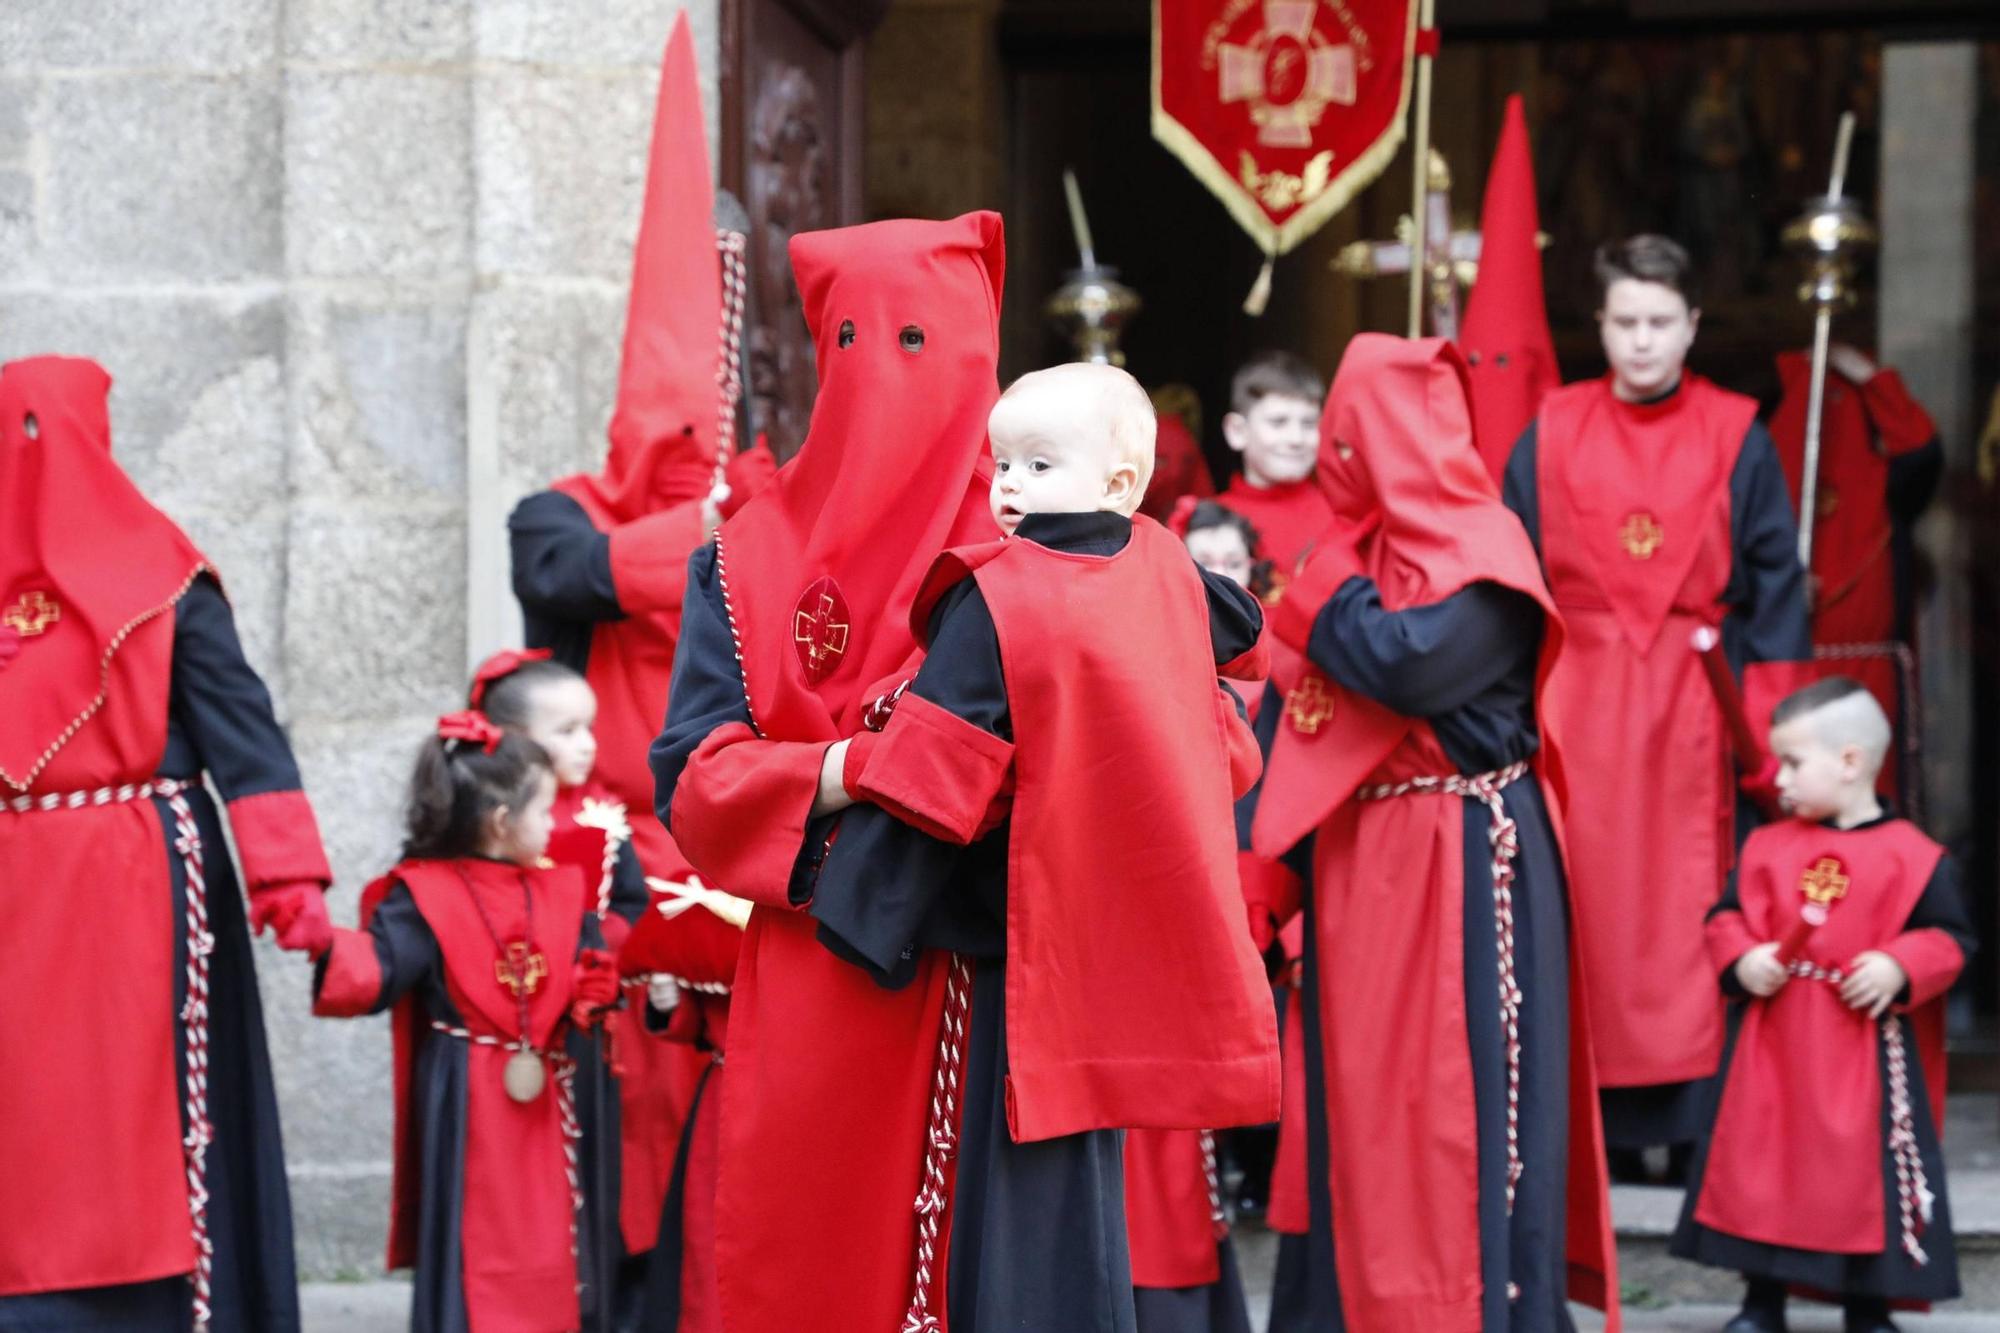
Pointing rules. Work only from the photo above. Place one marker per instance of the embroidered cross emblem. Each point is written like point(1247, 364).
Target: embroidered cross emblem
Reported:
point(1825, 881)
point(1287, 71)
point(1640, 534)
point(1308, 705)
point(520, 969)
point(32, 615)
point(820, 629)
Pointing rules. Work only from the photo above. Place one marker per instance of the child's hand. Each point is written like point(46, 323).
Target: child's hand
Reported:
point(1874, 980)
point(1760, 972)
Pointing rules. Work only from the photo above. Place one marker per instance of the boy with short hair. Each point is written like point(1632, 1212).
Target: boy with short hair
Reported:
point(1273, 423)
point(1657, 505)
point(1839, 937)
point(1113, 985)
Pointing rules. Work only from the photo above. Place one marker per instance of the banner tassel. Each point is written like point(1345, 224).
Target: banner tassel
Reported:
point(1260, 290)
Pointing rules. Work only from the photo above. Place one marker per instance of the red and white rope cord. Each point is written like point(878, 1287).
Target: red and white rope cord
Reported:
point(732, 246)
point(194, 1027)
point(1504, 838)
point(934, 1195)
point(572, 1128)
point(165, 788)
point(641, 979)
point(1913, 1190)
point(1212, 1175)
point(608, 874)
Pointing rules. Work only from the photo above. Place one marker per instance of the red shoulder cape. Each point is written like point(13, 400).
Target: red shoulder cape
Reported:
point(1099, 1033)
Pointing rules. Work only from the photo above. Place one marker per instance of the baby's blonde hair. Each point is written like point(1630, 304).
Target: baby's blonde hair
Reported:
point(1126, 412)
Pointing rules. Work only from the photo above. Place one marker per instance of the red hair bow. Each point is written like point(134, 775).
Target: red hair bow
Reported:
point(470, 726)
point(1182, 515)
point(503, 663)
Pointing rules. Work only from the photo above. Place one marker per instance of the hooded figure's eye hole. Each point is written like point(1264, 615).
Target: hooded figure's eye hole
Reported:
point(1344, 449)
point(847, 333)
point(32, 427)
point(911, 339)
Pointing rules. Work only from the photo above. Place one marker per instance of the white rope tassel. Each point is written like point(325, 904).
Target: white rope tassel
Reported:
point(1212, 1176)
point(933, 1197)
point(1504, 837)
point(194, 1026)
point(732, 246)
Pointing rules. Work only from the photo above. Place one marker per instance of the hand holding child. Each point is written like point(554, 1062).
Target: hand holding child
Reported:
point(1760, 972)
point(1874, 980)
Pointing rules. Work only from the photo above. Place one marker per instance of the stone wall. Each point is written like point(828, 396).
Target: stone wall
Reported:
point(358, 269)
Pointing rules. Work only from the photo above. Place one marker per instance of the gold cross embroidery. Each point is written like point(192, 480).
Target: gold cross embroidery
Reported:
point(519, 969)
point(822, 635)
point(1825, 881)
point(1640, 535)
point(1308, 705)
point(32, 615)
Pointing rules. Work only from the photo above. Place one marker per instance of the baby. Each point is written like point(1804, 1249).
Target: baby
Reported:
point(1070, 439)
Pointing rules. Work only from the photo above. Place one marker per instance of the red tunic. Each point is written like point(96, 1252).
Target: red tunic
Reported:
point(1170, 1220)
point(516, 1214)
point(1635, 536)
point(1805, 1061)
point(1288, 518)
point(1135, 998)
point(1863, 427)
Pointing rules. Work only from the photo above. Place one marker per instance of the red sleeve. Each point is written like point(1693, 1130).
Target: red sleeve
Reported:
point(277, 840)
point(740, 810)
point(932, 770)
point(1246, 761)
point(1311, 589)
point(649, 559)
point(1254, 665)
point(1729, 938)
point(1898, 418)
point(1931, 958)
point(352, 982)
point(1270, 892)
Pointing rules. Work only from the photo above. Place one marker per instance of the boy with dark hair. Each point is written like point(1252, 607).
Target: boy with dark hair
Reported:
point(1842, 931)
point(1657, 505)
point(1273, 422)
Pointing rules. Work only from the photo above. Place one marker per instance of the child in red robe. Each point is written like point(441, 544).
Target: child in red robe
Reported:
point(506, 958)
point(1273, 422)
point(1842, 931)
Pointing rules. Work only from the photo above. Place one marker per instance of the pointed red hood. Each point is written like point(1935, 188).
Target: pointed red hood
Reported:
point(820, 569)
point(1178, 470)
point(664, 428)
point(1511, 357)
point(84, 557)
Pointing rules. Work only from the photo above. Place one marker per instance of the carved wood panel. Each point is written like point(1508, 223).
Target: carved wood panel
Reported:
point(792, 107)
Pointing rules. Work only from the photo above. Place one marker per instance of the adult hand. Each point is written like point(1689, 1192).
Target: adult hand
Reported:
point(1874, 980)
point(1850, 363)
point(1760, 972)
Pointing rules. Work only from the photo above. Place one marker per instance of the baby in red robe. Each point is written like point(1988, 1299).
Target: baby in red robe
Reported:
point(1839, 936)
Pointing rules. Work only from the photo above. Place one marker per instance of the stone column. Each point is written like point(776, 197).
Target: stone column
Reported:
point(1929, 101)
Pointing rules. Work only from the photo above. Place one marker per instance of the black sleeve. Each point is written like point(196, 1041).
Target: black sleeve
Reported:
point(629, 894)
point(1913, 481)
point(1519, 487)
point(706, 688)
point(881, 878)
point(1235, 619)
point(1943, 907)
point(219, 703)
point(562, 563)
point(1767, 620)
point(405, 949)
point(1427, 660)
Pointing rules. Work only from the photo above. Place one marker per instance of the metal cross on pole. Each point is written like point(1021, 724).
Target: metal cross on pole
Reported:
point(1453, 256)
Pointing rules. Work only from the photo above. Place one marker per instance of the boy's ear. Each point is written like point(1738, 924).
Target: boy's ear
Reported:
point(1236, 431)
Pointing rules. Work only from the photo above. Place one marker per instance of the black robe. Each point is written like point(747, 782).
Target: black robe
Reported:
point(562, 576)
point(219, 723)
point(1038, 1229)
point(1887, 1274)
point(1766, 623)
point(411, 963)
point(1466, 665)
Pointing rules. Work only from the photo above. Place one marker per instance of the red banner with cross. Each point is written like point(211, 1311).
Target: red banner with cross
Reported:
point(1285, 109)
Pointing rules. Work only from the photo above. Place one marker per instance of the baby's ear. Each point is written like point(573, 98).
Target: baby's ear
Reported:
point(1121, 489)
